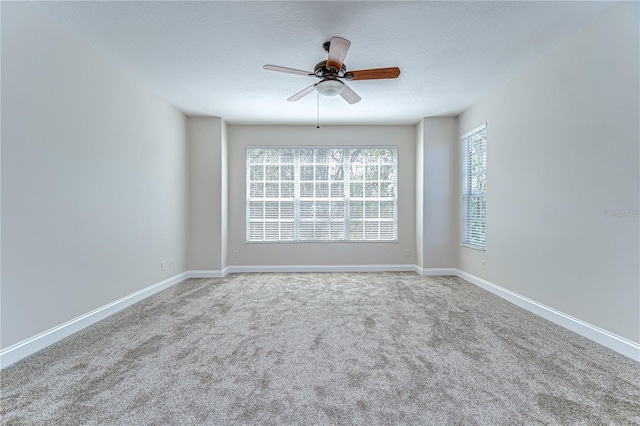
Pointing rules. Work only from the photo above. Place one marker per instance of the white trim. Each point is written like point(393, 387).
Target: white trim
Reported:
point(471, 246)
point(321, 268)
point(40, 341)
point(612, 341)
point(436, 272)
point(207, 273)
point(477, 129)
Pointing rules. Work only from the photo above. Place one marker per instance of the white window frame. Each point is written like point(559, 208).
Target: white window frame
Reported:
point(471, 237)
point(346, 221)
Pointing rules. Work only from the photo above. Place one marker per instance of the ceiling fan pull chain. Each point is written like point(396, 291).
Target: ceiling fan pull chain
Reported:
point(318, 122)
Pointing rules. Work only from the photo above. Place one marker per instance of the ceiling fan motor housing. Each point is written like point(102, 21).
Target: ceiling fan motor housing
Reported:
point(322, 71)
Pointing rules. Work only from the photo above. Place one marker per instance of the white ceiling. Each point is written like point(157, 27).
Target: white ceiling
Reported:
point(206, 58)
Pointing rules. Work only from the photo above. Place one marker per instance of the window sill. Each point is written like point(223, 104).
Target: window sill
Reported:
point(322, 241)
point(474, 247)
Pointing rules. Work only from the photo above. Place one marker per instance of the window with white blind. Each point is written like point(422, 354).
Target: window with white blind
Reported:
point(474, 179)
point(322, 194)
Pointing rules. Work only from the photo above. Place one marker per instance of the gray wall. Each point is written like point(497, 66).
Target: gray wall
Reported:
point(347, 253)
point(206, 243)
point(93, 179)
point(562, 148)
point(439, 192)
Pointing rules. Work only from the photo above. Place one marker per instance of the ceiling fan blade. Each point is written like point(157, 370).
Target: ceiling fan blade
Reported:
point(374, 74)
point(303, 93)
point(349, 95)
point(337, 52)
point(285, 69)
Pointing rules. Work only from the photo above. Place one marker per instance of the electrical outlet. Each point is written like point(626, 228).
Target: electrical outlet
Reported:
point(407, 253)
point(483, 264)
point(235, 254)
point(170, 263)
point(162, 265)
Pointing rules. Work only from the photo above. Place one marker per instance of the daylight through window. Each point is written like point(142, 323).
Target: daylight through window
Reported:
point(322, 194)
point(474, 179)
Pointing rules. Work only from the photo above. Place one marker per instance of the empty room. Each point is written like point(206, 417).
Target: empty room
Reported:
point(300, 212)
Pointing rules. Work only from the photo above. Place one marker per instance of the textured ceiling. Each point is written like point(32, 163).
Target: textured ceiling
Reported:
point(206, 58)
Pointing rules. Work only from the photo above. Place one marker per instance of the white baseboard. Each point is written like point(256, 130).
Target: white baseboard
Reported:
point(29, 346)
point(320, 268)
point(435, 272)
point(603, 337)
point(207, 273)
point(40, 341)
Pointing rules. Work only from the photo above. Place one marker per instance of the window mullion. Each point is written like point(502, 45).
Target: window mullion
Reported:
point(315, 201)
point(346, 160)
point(296, 195)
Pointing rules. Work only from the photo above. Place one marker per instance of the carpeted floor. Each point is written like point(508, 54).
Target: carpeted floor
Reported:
point(347, 348)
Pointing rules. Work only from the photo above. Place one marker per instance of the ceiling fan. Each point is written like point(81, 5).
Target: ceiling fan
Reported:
point(333, 70)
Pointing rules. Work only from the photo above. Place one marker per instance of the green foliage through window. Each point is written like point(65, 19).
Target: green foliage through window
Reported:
point(322, 194)
point(474, 180)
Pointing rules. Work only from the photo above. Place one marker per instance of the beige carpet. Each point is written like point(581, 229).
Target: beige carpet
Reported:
point(348, 348)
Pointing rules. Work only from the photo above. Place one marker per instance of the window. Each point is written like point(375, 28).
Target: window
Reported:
point(322, 194)
point(474, 179)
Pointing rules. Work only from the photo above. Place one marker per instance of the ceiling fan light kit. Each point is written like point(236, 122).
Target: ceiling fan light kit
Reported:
point(329, 87)
point(330, 71)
